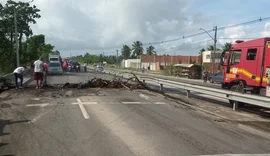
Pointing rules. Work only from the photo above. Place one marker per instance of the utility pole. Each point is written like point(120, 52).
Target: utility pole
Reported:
point(215, 47)
point(16, 38)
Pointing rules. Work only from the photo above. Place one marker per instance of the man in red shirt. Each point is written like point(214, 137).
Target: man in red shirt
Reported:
point(65, 67)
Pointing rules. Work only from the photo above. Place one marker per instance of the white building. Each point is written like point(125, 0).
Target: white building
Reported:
point(131, 63)
point(207, 55)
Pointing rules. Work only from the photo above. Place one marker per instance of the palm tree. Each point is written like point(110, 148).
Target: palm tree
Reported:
point(137, 49)
point(227, 46)
point(151, 50)
point(126, 51)
point(210, 48)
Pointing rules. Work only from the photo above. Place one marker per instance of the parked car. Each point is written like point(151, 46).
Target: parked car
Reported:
point(55, 68)
point(217, 78)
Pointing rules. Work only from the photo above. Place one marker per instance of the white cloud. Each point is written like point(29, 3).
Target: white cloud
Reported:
point(96, 24)
point(266, 31)
point(90, 25)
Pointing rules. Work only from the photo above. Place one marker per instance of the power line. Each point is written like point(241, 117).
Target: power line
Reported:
point(219, 28)
point(201, 33)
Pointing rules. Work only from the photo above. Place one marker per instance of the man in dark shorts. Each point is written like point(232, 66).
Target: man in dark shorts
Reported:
point(38, 72)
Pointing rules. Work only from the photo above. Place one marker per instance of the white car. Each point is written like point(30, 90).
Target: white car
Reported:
point(55, 68)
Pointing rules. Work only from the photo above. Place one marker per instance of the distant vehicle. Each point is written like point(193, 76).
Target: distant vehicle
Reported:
point(55, 68)
point(77, 66)
point(217, 78)
point(55, 58)
point(99, 69)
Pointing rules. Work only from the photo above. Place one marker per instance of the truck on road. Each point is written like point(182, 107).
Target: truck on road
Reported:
point(246, 67)
point(55, 58)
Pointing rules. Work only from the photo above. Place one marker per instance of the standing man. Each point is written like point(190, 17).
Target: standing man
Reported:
point(65, 67)
point(85, 66)
point(38, 72)
point(18, 74)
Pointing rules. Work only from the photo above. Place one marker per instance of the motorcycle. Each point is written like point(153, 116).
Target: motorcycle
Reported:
point(77, 68)
point(69, 68)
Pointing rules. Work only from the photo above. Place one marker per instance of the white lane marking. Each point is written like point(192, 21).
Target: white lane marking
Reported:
point(84, 112)
point(160, 103)
point(131, 102)
point(38, 117)
point(144, 103)
point(144, 96)
point(85, 103)
point(36, 99)
point(90, 103)
point(38, 105)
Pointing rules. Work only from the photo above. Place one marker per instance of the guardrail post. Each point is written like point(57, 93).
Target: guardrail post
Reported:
point(235, 105)
point(161, 87)
point(188, 93)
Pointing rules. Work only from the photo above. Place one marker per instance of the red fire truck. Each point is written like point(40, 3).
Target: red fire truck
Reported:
point(247, 66)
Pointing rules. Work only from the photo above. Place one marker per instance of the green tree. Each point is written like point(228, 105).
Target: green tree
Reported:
point(126, 51)
point(137, 49)
point(26, 16)
point(227, 46)
point(150, 50)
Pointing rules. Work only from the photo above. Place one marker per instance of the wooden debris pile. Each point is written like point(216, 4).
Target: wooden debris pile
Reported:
point(118, 83)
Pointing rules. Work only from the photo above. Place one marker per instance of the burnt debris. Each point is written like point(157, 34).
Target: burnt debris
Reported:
point(118, 83)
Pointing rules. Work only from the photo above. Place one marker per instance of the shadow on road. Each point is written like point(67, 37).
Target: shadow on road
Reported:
point(3, 124)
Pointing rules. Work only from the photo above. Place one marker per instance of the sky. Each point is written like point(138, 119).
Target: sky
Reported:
point(75, 27)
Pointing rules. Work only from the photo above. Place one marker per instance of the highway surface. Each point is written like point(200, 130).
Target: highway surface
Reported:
point(105, 122)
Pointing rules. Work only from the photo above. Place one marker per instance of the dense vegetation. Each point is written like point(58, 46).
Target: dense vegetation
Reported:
point(30, 46)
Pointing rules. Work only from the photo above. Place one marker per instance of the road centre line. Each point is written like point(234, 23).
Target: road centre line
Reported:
point(95, 103)
point(144, 103)
point(38, 105)
point(85, 103)
point(84, 112)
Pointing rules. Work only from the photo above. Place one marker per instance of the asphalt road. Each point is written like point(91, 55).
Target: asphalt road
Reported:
point(109, 122)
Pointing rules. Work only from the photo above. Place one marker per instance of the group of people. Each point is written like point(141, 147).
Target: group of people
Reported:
point(40, 73)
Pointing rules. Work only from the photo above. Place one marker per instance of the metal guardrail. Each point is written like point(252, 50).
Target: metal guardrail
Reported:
point(220, 93)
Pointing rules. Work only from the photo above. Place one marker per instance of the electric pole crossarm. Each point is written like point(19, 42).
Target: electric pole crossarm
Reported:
point(207, 33)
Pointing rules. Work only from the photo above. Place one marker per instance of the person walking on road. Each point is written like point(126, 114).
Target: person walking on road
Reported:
point(85, 66)
point(18, 74)
point(38, 72)
point(65, 64)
